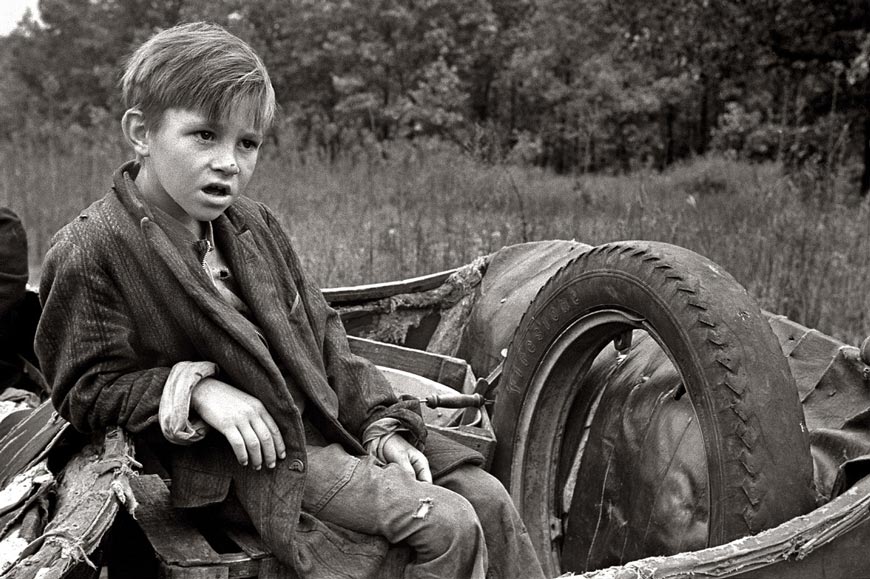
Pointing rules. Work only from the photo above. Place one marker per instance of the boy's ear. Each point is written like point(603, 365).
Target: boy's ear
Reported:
point(136, 131)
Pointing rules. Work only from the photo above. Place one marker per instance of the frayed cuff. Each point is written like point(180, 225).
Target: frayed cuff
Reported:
point(377, 433)
point(174, 413)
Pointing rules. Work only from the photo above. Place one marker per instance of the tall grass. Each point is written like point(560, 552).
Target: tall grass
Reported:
point(407, 210)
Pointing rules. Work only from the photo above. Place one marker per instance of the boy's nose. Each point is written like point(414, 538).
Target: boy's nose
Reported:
point(225, 164)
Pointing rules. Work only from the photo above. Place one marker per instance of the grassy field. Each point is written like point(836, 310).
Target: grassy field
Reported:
point(411, 210)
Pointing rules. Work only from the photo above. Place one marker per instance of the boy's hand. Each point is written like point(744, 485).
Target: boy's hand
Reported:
point(398, 450)
point(242, 419)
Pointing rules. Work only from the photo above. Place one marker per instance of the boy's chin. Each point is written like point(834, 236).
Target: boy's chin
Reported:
point(212, 204)
point(212, 215)
point(209, 214)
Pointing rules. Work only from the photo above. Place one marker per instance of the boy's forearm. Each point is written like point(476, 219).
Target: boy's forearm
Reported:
point(85, 346)
point(94, 402)
point(178, 424)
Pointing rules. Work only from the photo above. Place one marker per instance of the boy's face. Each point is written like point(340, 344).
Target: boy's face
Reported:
point(195, 167)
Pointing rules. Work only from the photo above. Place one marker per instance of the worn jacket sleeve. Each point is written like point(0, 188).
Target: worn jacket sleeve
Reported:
point(364, 394)
point(85, 346)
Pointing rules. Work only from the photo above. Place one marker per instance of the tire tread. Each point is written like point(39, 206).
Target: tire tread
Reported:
point(695, 290)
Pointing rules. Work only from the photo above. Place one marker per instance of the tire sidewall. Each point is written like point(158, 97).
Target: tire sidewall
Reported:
point(735, 374)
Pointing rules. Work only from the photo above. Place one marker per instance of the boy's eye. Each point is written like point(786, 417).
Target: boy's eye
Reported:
point(250, 145)
point(205, 135)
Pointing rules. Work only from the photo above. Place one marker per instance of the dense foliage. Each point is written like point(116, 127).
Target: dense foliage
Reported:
point(578, 86)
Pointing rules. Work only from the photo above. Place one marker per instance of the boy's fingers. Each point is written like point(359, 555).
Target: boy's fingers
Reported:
point(252, 443)
point(405, 464)
point(237, 443)
point(267, 443)
point(397, 450)
point(420, 464)
point(280, 449)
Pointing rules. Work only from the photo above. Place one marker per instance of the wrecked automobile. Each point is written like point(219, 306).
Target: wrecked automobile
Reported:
point(646, 416)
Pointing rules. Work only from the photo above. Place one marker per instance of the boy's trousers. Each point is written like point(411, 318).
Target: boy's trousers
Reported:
point(464, 526)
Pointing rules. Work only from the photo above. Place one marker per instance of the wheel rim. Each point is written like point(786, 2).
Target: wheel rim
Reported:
point(542, 464)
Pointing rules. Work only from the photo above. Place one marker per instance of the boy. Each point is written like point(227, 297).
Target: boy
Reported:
point(176, 301)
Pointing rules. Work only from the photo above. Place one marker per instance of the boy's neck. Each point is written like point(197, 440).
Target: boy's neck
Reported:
point(202, 229)
point(199, 229)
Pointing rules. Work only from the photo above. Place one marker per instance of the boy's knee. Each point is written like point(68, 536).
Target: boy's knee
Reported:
point(455, 516)
point(450, 521)
point(480, 488)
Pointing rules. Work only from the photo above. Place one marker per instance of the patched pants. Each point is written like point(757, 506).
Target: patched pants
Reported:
point(464, 526)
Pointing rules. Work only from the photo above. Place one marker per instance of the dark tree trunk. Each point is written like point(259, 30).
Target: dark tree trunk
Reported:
point(592, 166)
point(622, 152)
point(481, 99)
point(703, 116)
point(669, 137)
point(512, 124)
point(865, 177)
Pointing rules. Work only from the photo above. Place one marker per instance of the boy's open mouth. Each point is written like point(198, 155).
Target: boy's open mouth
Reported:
point(215, 189)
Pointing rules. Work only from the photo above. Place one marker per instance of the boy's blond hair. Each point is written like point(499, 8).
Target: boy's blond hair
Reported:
point(197, 66)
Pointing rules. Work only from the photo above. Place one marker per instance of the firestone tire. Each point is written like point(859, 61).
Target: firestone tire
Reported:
point(759, 466)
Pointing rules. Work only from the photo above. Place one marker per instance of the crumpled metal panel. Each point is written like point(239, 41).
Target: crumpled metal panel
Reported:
point(641, 488)
point(512, 280)
point(832, 381)
point(640, 429)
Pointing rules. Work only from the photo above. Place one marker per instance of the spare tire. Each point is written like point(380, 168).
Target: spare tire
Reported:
point(759, 467)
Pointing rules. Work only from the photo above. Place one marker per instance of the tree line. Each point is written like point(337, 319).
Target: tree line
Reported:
point(577, 86)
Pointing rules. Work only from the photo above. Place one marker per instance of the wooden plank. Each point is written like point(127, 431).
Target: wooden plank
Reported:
point(480, 437)
point(249, 541)
point(240, 566)
point(416, 386)
point(375, 291)
point(174, 539)
point(844, 557)
point(444, 369)
point(471, 436)
point(469, 381)
point(85, 507)
point(178, 572)
point(827, 542)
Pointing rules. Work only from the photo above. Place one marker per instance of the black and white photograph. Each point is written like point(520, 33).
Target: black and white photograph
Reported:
point(434, 289)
